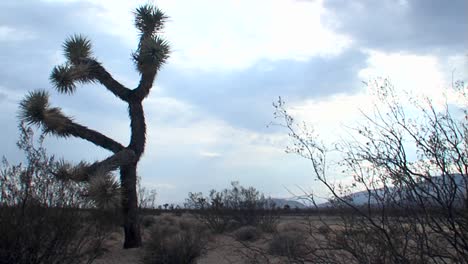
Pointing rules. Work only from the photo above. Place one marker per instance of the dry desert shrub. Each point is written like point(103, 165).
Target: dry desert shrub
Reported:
point(147, 221)
point(288, 243)
point(42, 219)
point(247, 233)
point(175, 240)
point(238, 206)
point(407, 201)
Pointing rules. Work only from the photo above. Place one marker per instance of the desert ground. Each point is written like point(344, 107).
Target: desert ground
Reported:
point(224, 248)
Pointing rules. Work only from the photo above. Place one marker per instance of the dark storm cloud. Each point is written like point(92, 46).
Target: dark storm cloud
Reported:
point(245, 97)
point(423, 26)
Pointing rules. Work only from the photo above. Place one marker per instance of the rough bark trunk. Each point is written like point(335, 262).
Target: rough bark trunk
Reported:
point(130, 206)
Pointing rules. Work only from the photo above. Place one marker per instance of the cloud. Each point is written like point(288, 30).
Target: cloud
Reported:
point(160, 186)
point(10, 34)
point(419, 75)
point(205, 152)
point(412, 75)
point(209, 154)
point(26, 63)
point(244, 97)
point(226, 35)
point(417, 26)
point(241, 33)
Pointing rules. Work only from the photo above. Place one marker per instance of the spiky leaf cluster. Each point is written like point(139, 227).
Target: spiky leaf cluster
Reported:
point(152, 53)
point(102, 187)
point(76, 48)
point(64, 77)
point(152, 50)
point(104, 190)
point(33, 107)
point(35, 110)
point(149, 20)
point(66, 171)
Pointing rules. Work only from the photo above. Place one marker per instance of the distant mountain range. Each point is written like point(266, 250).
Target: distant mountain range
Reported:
point(279, 202)
point(440, 187)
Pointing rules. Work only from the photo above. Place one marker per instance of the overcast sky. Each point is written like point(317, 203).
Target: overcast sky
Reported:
point(209, 107)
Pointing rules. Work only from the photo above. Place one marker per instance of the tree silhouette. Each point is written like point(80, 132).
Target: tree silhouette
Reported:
point(81, 67)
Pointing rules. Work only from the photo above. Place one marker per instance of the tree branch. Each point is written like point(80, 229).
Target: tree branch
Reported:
point(83, 172)
point(99, 73)
point(93, 136)
point(121, 158)
point(35, 109)
point(152, 53)
point(146, 82)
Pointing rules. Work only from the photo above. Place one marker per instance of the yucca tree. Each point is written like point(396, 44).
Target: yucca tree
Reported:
point(82, 67)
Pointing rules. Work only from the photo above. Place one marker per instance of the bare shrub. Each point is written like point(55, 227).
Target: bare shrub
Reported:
point(42, 219)
point(146, 196)
point(269, 219)
point(408, 200)
point(238, 206)
point(247, 233)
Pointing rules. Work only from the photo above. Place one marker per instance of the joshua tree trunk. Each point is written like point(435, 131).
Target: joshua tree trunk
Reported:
point(82, 67)
point(130, 206)
point(128, 175)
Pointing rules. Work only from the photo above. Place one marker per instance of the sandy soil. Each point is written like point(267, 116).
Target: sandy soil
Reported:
point(221, 249)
